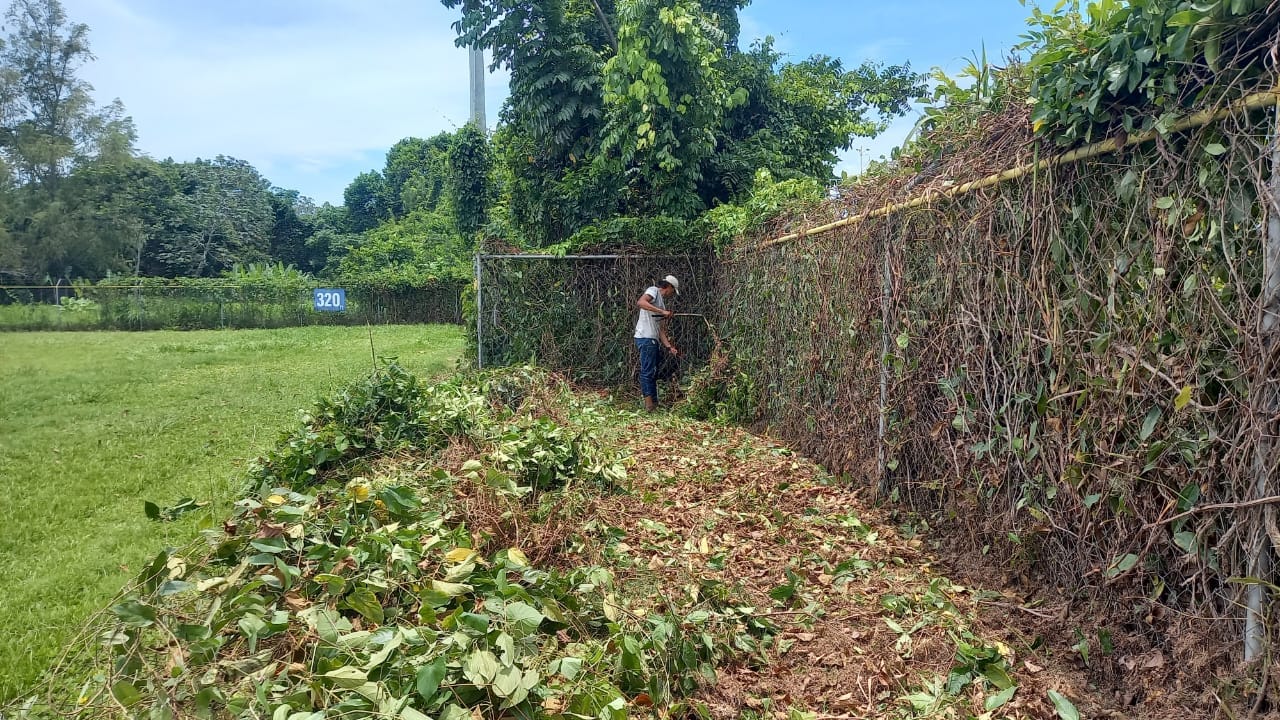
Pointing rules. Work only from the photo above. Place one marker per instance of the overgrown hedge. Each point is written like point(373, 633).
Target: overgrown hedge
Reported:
point(215, 303)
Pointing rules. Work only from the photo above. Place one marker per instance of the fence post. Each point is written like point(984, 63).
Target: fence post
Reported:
point(886, 290)
point(1267, 404)
point(479, 316)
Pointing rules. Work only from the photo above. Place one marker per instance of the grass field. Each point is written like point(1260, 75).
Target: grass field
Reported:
point(94, 424)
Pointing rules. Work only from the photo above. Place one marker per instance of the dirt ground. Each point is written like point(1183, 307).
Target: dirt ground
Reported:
point(873, 612)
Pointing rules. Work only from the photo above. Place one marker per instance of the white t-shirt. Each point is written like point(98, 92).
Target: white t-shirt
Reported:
point(647, 325)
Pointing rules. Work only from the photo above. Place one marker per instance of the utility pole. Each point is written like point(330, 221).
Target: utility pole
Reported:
point(476, 56)
point(861, 152)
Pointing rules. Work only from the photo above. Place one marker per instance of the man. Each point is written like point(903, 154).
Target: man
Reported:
point(651, 329)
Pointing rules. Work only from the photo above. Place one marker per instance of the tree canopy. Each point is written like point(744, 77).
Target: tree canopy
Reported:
point(647, 108)
point(633, 115)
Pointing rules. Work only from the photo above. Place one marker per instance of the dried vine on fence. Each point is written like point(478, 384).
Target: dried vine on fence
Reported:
point(1074, 355)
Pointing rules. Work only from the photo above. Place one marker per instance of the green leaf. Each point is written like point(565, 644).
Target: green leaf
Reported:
point(507, 681)
point(193, 633)
point(126, 693)
point(365, 602)
point(475, 621)
point(507, 645)
point(570, 667)
point(453, 712)
point(1214, 149)
point(999, 699)
point(327, 623)
point(480, 667)
point(253, 628)
point(450, 589)
point(1066, 711)
point(1149, 423)
point(522, 620)
point(1165, 202)
point(997, 676)
point(151, 509)
point(389, 647)
point(903, 340)
point(334, 584)
point(347, 677)
point(1122, 564)
point(1183, 399)
point(134, 613)
point(1212, 50)
point(269, 545)
point(429, 677)
point(175, 587)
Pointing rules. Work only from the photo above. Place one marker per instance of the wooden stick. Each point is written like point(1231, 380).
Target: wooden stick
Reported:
point(1249, 104)
point(1217, 506)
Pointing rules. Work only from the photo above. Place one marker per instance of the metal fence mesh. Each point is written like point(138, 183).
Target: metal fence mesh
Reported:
point(157, 307)
point(576, 314)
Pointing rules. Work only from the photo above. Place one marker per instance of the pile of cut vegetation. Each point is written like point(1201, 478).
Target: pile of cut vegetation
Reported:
point(503, 546)
point(400, 555)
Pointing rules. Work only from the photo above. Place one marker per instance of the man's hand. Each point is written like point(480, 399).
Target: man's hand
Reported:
point(668, 314)
point(673, 350)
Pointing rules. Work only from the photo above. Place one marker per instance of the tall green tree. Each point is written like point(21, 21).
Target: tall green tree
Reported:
point(366, 202)
point(48, 115)
point(798, 116)
point(416, 173)
point(551, 125)
point(292, 229)
point(666, 92)
point(649, 107)
point(470, 171)
point(221, 216)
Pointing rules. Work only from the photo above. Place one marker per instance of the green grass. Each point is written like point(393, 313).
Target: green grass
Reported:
point(93, 424)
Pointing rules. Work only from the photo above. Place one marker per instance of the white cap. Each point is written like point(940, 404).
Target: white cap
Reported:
point(674, 282)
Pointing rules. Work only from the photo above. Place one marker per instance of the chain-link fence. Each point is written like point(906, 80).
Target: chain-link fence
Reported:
point(1077, 361)
point(577, 313)
point(182, 307)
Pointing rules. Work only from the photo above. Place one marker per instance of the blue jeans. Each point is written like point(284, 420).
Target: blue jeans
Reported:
point(648, 348)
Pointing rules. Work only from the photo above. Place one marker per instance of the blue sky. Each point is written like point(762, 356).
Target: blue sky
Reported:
point(313, 92)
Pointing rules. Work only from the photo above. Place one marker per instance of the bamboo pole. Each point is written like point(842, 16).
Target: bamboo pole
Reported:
point(886, 289)
point(479, 315)
point(1251, 103)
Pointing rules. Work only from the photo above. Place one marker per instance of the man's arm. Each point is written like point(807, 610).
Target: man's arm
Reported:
point(666, 341)
point(646, 303)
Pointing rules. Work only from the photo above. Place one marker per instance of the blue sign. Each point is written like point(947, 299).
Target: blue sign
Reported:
point(330, 300)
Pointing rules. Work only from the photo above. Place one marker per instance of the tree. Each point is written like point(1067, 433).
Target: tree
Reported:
point(48, 116)
point(222, 216)
point(797, 117)
point(648, 107)
point(419, 247)
point(551, 126)
point(292, 228)
point(470, 166)
point(666, 93)
point(365, 200)
point(416, 174)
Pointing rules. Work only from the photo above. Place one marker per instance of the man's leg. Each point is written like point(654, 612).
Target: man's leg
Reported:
point(648, 371)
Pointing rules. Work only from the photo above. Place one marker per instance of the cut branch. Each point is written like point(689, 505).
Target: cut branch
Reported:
point(1216, 506)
